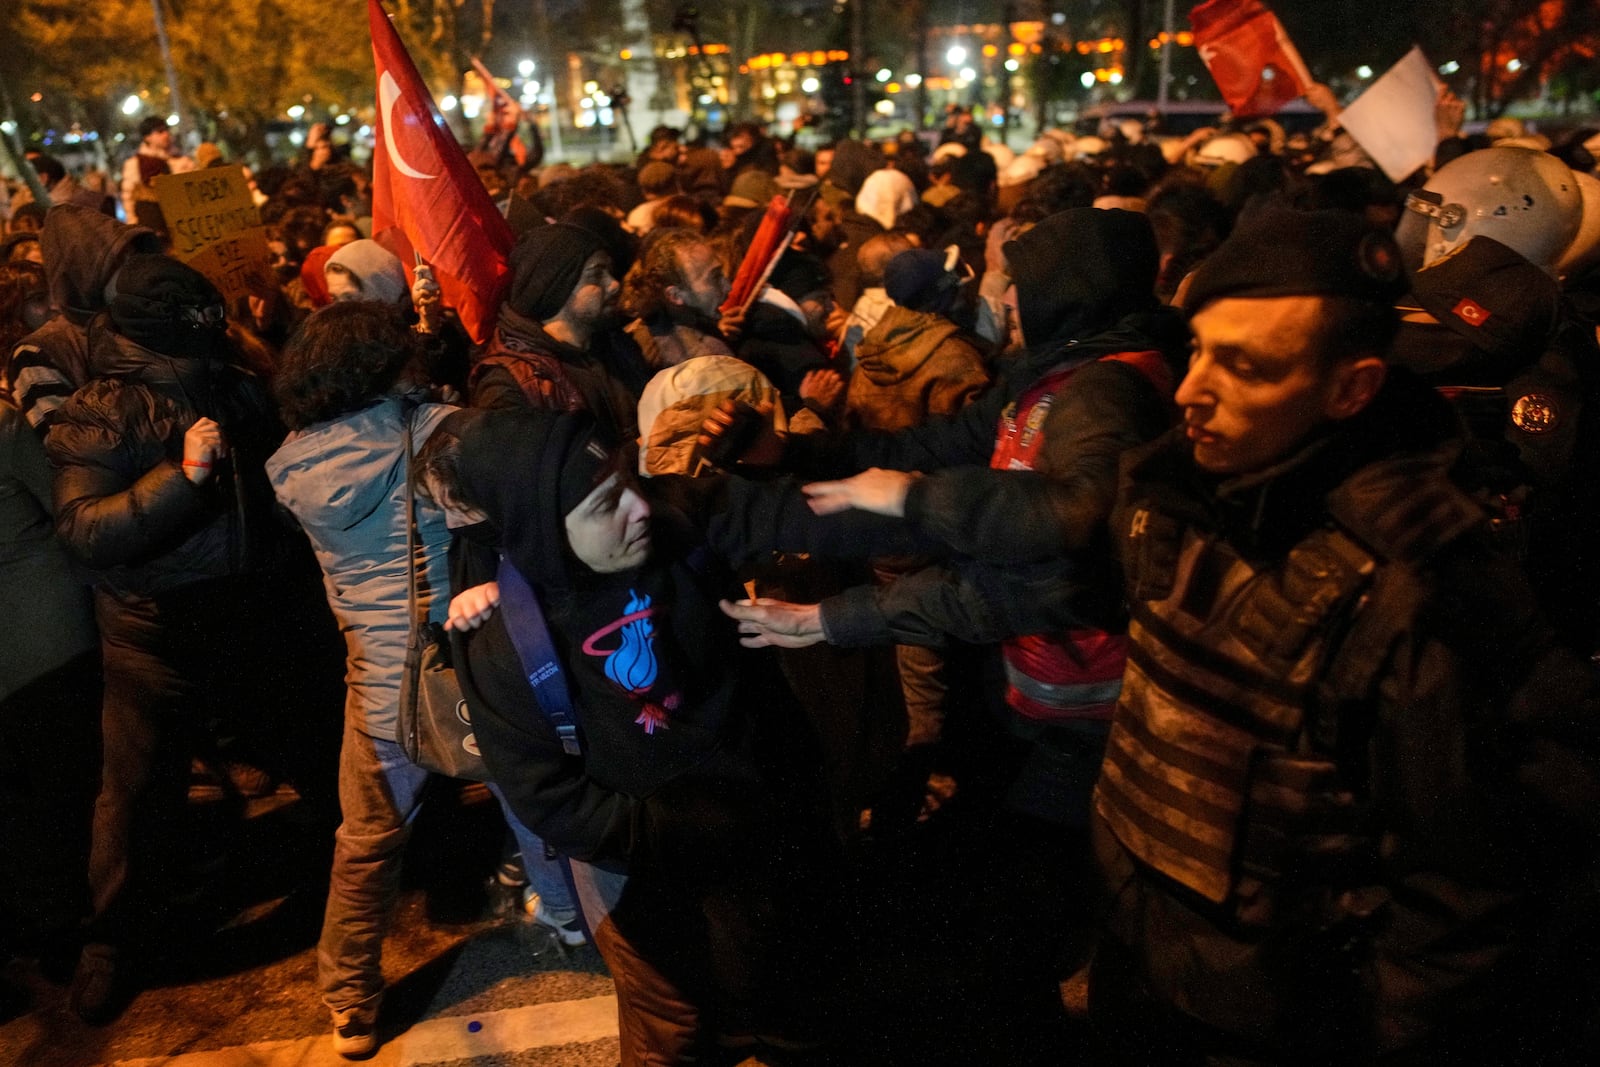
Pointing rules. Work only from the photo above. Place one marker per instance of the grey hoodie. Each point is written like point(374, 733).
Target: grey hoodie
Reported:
point(345, 481)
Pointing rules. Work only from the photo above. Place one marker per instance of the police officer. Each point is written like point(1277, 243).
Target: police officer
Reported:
point(1338, 815)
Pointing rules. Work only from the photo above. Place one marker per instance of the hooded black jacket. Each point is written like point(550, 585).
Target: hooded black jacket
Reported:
point(83, 250)
point(124, 508)
point(696, 782)
point(1084, 279)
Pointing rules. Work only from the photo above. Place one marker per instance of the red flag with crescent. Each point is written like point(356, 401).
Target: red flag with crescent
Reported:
point(426, 198)
point(1249, 55)
point(771, 238)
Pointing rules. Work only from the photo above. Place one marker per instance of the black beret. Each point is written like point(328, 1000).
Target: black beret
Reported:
point(1282, 252)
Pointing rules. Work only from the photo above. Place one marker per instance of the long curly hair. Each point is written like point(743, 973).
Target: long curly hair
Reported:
point(342, 358)
point(644, 290)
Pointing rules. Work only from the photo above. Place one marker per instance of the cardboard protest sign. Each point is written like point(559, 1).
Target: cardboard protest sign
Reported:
point(1393, 121)
point(215, 228)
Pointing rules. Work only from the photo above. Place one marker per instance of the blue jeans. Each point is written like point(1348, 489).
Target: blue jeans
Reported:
point(380, 792)
point(545, 876)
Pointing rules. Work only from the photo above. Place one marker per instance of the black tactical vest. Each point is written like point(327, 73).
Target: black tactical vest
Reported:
point(1223, 772)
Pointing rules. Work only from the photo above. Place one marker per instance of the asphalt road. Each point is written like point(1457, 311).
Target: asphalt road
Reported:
point(956, 932)
point(466, 986)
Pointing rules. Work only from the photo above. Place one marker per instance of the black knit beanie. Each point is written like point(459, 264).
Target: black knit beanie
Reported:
point(545, 266)
point(167, 307)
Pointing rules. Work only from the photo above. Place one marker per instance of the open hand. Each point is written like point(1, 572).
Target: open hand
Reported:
point(765, 622)
point(876, 490)
point(823, 389)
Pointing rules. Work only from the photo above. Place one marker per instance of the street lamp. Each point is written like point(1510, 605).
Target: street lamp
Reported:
point(131, 105)
point(525, 68)
point(956, 56)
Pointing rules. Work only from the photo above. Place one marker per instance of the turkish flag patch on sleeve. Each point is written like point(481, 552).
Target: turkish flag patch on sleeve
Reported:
point(1471, 312)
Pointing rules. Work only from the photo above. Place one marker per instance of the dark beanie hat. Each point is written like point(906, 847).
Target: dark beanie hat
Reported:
point(1492, 296)
point(918, 281)
point(545, 266)
point(799, 274)
point(514, 465)
point(1282, 252)
point(166, 306)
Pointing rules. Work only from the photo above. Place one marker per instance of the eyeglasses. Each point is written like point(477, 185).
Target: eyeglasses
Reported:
point(210, 315)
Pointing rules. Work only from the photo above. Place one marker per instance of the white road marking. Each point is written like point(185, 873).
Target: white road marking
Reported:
point(430, 1041)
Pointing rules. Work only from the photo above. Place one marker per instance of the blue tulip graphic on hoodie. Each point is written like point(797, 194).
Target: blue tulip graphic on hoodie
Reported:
point(632, 666)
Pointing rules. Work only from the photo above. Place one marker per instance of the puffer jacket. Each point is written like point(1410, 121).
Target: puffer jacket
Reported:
point(911, 365)
point(344, 480)
point(124, 508)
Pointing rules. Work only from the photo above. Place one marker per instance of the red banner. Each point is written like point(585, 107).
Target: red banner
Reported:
point(768, 244)
point(1249, 55)
point(426, 198)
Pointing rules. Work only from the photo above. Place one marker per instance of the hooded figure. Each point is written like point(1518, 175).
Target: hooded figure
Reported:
point(524, 365)
point(915, 362)
point(1097, 379)
point(886, 195)
point(160, 365)
point(376, 272)
point(83, 250)
point(1080, 272)
point(695, 867)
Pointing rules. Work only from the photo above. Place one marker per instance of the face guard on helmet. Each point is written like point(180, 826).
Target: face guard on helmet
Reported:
point(1526, 200)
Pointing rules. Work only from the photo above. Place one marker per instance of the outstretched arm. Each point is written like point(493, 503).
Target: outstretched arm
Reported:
point(969, 602)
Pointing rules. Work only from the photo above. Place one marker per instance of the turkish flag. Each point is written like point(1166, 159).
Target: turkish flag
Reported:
point(771, 238)
point(426, 198)
point(1249, 55)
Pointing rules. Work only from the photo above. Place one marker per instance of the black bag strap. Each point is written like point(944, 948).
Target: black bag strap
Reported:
point(524, 622)
point(414, 632)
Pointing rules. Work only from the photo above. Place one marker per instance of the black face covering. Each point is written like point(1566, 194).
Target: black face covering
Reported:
point(35, 310)
point(168, 307)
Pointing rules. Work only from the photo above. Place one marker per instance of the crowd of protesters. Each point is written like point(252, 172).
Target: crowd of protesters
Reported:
point(1241, 500)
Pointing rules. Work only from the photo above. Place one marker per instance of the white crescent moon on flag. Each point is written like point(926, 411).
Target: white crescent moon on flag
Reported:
point(388, 93)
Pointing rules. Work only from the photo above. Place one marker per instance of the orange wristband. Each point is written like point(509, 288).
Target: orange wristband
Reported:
point(196, 463)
